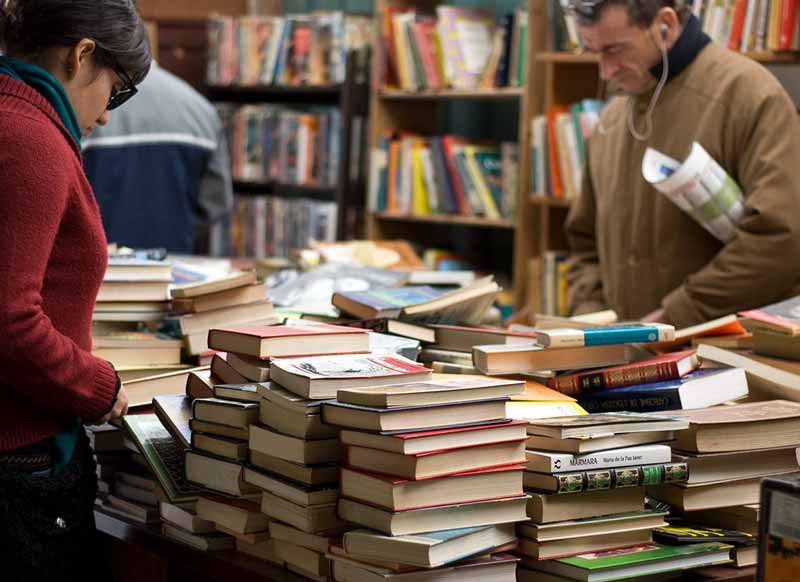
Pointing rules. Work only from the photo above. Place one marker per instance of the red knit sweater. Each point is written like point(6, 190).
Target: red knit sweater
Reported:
point(52, 259)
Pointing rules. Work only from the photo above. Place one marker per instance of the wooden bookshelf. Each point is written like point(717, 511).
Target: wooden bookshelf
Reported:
point(352, 99)
point(457, 220)
point(490, 243)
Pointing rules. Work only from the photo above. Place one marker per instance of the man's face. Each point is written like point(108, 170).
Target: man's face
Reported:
point(627, 51)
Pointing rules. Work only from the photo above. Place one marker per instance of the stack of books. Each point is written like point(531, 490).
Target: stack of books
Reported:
point(233, 299)
point(415, 174)
point(133, 290)
point(300, 49)
point(293, 457)
point(729, 450)
point(437, 458)
point(673, 381)
point(137, 353)
point(451, 350)
point(215, 461)
point(126, 486)
point(587, 478)
point(458, 47)
point(421, 304)
point(638, 382)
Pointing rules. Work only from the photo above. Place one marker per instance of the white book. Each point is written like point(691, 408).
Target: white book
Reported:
point(547, 462)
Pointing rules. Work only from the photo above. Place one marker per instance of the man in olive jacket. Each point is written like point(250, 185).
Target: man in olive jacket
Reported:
point(635, 251)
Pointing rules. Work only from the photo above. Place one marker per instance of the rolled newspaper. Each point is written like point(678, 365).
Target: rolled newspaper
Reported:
point(700, 187)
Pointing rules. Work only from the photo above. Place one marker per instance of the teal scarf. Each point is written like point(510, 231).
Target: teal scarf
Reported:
point(46, 84)
point(63, 444)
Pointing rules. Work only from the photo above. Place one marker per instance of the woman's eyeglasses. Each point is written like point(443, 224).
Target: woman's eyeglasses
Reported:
point(119, 96)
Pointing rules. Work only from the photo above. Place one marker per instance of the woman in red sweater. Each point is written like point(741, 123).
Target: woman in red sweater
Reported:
point(66, 63)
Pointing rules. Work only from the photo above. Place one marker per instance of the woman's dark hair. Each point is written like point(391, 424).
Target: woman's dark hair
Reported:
point(29, 26)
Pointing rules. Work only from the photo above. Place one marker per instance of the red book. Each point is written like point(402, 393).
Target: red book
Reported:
point(280, 340)
point(556, 183)
point(658, 369)
point(424, 30)
point(448, 141)
point(757, 319)
point(788, 24)
point(402, 494)
point(737, 24)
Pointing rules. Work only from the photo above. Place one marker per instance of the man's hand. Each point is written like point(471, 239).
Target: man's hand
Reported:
point(120, 407)
point(656, 316)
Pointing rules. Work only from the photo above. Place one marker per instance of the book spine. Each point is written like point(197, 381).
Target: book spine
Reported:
point(631, 375)
point(572, 338)
point(633, 457)
point(644, 401)
point(621, 478)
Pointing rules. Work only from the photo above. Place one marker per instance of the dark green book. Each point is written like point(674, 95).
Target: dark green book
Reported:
point(163, 454)
point(631, 563)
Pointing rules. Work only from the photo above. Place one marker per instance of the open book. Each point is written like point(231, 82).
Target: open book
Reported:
point(700, 187)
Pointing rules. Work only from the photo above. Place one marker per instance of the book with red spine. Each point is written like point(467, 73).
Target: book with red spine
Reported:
point(448, 142)
point(788, 24)
point(424, 29)
point(737, 24)
point(658, 369)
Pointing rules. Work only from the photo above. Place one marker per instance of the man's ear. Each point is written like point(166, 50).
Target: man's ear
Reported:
point(78, 56)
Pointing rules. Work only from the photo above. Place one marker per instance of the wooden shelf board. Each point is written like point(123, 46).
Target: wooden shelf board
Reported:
point(539, 200)
point(252, 188)
point(275, 93)
point(457, 220)
point(766, 57)
point(495, 93)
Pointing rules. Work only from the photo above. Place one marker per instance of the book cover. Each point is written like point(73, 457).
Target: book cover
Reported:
point(743, 413)
point(699, 389)
point(597, 561)
point(667, 367)
point(278, 331)
point(348, 366)
point(607, 335)
point(383, 395)
point(393, 298)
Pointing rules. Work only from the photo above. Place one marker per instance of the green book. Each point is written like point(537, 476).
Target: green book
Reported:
point(631, 563)
point(163, 454)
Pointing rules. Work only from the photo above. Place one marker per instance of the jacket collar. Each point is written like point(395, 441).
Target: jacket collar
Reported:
point(13, 88)
point(689, 44)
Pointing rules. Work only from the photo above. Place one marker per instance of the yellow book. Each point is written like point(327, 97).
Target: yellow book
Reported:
point(774, 26)
point(561, 286)
point(419, 192)
point(479, 181)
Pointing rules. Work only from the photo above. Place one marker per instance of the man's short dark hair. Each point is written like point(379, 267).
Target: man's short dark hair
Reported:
point(641, 12)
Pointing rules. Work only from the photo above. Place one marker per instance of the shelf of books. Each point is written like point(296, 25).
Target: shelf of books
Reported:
point(425, 169)
point(293, 95)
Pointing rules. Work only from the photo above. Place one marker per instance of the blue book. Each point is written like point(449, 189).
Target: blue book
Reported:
point(700, 389)
point(388, 302)
point(605, 335)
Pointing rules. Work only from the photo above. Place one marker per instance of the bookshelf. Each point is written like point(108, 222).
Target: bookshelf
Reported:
point(490, 243)
point(352, 100)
